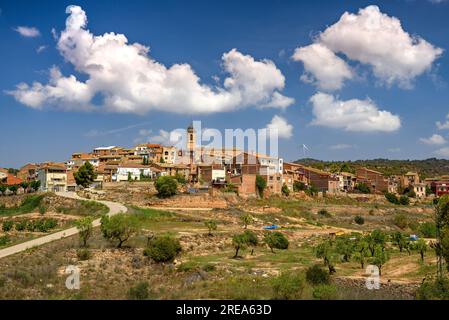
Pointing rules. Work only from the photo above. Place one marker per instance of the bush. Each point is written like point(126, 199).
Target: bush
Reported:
point(325, 292)
point(299, 186)
point(359, 220)
point(427, 230)
point(211, 226)
point(4, 240)
point(163, 249)
point(288, 286)
point(363, 188)
point(276, 240)
point(404, 200)
point(7, 225)
point(166, 186)
point(285, 190)
point(83, 254)
point(180, 178)
point(324, 213)
point(400, 220)
point(391, 197)
point(434, 290)
point(42, 209)
point(20, 225)
point(208, 267)
point(139, 292)
point(317, 275)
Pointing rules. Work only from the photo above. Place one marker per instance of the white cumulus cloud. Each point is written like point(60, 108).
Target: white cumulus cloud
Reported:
point(29, 32)
point(372, 38)
point(351, 115)
point(284, 129)
point(435, 139)
point(322, 67)
point(443, 125)
point(129, 80)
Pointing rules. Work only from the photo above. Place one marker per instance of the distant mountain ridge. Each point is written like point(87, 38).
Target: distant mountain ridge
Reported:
point(427, 168)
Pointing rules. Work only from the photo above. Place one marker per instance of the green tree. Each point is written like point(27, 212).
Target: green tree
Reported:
point(251, 239)
point(261, 184)
point(276, 240)
point(211, 225)
point(85, 228)
point(161, 160)
point(180, 178)
point(166, 186)
point(376, 238)
point(361, 251)
point(345, 247)
point(316, 275)
point(247, 219)
point(239, 242)
point(85, 175)
point(35, 184)
point(326, 251)
point(285, 190)
point(421, 247)
point(379, 258)
point(119, 228)
point(401, 241)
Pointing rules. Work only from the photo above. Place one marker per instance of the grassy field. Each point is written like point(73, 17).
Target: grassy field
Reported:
point(206, 268)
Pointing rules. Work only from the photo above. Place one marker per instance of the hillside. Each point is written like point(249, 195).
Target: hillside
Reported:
point(431, 167)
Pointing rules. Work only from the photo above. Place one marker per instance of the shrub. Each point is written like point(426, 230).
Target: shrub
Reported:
point(400, 220)
point(404, 200)
point(180, 178)
point(276, 240)
point(359, 220)
point(434, 290)
point(208, 267)
point(42, 209)
point(428, 230)
point(288, 286)
point(139, 292)
point(285, 190)
point(363, 188)
point(166, 186)
point(83, 254)
point(4, 240)
point(325, 292)
point(211, 225)
point(391, 197)
point(163, 249)
point(246, 219)
point(7, 225)
point(299, 186)
point(187, 266)
point(324, 213)
point(317, 275)
point(85, 229)
point(20, 225)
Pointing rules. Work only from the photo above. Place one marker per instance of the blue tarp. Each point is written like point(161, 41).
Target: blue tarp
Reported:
point(273, 226)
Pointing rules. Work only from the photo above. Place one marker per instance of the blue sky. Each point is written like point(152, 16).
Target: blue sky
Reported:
point(198, 34)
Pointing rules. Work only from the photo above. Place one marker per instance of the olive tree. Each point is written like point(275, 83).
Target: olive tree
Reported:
point(85, 228)
point(119, 228)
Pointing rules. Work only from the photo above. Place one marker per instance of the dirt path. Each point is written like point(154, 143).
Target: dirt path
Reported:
point(114, 208)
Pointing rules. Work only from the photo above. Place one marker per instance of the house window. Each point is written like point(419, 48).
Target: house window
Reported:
point(191, 137)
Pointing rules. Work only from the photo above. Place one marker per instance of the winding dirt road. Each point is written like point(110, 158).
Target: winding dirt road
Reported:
point(114, 208)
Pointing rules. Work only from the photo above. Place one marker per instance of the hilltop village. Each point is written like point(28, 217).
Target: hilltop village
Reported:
point(209, 169)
